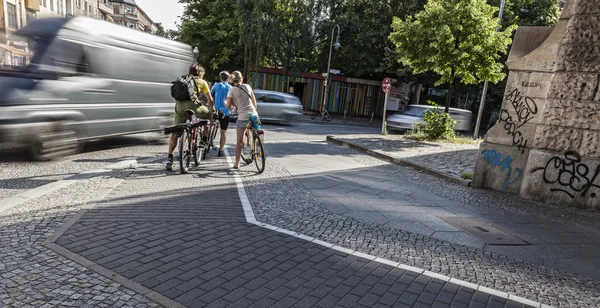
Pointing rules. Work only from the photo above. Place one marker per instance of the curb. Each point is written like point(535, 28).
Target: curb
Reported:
point(349, 123)
point(399, 161)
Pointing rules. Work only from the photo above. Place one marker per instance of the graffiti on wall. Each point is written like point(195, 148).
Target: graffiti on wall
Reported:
point(525, 110)
point(570, 175)
point(494, 158)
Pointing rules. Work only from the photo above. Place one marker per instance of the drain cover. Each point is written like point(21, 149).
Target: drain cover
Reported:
point(486, 232)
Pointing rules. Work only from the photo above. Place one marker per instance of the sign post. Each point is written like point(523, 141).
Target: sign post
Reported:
point(385, 85)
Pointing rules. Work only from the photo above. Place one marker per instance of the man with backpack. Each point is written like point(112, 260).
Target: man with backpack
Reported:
point(219, 91)
point(186, 91)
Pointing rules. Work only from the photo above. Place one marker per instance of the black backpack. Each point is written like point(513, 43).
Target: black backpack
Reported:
point(179, 91)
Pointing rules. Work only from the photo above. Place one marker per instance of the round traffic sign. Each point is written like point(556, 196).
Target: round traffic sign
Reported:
point(386, 85)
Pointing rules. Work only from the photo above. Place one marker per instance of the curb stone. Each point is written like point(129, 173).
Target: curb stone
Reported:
point(399, 161)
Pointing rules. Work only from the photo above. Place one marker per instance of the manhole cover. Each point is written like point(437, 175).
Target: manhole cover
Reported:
point(486, 232)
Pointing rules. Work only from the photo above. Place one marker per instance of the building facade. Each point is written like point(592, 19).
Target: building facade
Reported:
point(15, 14)
point(129, 14)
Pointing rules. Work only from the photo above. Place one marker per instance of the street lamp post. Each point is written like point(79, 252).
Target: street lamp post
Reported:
point(196, 53)
point(485, 84)
point(337, 45)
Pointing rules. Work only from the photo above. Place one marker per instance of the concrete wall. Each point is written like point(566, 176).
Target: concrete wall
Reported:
point(546, 144)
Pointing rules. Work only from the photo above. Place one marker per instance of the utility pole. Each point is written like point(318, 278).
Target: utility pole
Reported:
point(485, 84)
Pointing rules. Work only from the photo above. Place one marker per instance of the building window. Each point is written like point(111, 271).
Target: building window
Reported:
point(78, 3)
point(59, 8)
point(117, 9)
point(44, 3)
point(85, 5)
point(11, 11)
point(129, 10)
point(52, 5)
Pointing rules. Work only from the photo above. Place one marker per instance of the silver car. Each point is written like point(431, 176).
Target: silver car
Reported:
point(277, 107)
point(413, 114)
point(88, 79)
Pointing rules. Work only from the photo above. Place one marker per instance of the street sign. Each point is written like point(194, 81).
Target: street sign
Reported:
point(335, 72)
point(386, 85)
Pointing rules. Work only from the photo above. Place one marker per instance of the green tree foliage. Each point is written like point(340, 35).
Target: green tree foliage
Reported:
point(457, 39)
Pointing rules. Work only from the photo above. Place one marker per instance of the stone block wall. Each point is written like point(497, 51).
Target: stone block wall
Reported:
point(549, 129)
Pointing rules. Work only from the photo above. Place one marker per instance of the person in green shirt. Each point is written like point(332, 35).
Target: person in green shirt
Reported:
point(197, 87)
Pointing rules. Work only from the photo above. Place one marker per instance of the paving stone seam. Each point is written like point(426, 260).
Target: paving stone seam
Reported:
point(128, 283)
point(399, 161)
point(252, 220)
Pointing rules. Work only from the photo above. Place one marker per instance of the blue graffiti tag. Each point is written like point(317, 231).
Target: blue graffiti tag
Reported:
point(494, 158)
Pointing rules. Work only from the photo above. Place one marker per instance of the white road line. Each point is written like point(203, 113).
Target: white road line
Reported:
point(34, 193)
point(252, 219)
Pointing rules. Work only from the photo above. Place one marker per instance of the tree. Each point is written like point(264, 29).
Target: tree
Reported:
point(457, 39)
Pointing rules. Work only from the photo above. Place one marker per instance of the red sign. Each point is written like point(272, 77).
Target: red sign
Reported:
point(386, 85)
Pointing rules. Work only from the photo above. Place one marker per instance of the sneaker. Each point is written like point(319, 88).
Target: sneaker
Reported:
point(170, 165)
point(221, 154)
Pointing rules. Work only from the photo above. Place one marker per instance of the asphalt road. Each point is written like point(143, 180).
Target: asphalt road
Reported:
point(20, 172)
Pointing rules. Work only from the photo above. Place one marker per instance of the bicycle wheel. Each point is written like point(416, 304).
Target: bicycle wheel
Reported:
point(197, 150)
point(314, 115)
point(185, 151)
point(328, 117)
point(259, 154)
point(247, 147)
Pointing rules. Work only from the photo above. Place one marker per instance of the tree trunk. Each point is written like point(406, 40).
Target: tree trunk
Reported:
point(450, 93)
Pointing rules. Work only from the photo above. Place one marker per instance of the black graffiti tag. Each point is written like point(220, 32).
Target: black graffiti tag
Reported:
point(571, 174)
point(525, 109)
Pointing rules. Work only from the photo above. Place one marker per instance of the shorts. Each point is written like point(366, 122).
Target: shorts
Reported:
point(224, 122)
point(242, 123)
point(202, 112)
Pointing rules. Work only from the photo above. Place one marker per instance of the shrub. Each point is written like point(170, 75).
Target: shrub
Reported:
point(438, 124)
point(466, 175)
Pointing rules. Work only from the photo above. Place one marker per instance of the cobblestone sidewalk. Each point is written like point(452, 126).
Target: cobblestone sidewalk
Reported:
point(185, 238)
point(447, 158)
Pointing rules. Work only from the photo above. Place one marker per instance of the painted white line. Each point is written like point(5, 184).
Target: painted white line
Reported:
point(437, 276)
point(251, 219)
point(343, 249)
point(411, 268)
point(493, 292)
point(464, 283)
point(524, 301)
point(34, 193)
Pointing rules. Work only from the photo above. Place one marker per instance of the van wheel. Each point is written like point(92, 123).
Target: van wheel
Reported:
point(61, 141)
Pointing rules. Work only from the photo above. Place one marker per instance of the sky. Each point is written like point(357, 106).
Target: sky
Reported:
point(165, 11)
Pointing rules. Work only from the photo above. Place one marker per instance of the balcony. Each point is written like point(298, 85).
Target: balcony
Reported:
point(105, 7)
point(33, 5)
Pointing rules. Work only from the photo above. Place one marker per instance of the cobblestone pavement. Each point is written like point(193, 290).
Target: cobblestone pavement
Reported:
point(32, 275)
point(185, 236)
point(282, 200)
point(449, 158)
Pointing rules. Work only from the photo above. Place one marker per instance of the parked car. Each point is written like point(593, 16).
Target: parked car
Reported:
point(277, 107)
point(88, 79)
point(413, 114)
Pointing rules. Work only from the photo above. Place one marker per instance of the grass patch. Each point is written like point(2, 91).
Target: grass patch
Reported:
point(466, 175)
point(417, 135)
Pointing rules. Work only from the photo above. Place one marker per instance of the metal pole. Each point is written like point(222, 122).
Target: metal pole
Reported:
point(383, 128)
point(485, 84)
point(327, 83)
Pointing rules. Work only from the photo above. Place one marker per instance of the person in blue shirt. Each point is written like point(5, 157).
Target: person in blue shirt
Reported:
point(219, 92)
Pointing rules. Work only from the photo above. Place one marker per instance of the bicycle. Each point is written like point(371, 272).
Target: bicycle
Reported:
point(253, 149)
point(215, 125)
point(189, 147)
point(324, 113)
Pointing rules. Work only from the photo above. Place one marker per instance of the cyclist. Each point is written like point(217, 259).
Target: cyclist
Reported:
point(196, 85)
point(242, 97)
point(219, 92)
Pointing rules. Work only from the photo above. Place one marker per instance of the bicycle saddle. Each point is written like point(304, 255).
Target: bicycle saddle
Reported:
point(190, 112)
